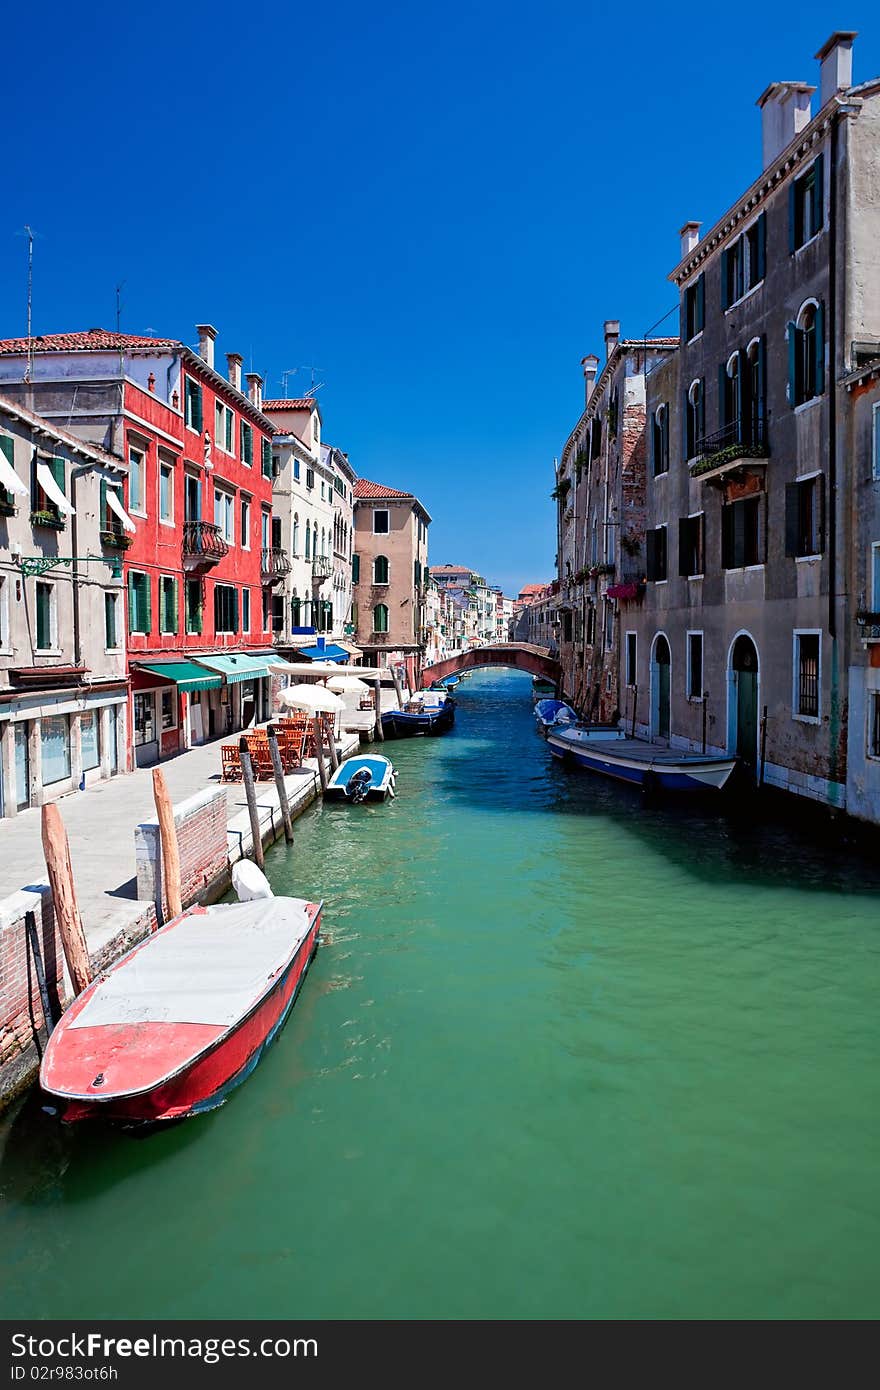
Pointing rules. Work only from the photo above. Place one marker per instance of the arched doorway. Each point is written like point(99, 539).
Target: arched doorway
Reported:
point(743, 701)
point(661, 666)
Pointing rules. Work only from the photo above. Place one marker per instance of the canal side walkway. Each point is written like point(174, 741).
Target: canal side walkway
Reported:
point(101, 823)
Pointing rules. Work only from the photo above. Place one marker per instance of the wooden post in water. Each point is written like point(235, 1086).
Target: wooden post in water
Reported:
point(250, 791)
point(398, 687)
point(170, 848)
point(377, 701)
point(705, 716)
point(763, 745)
point(331, 740)
point(57, 852)
point(280, 783)
point(632, 732)
point(30, 925)
point(319, 750)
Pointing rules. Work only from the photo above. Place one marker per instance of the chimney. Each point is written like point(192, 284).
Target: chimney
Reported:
point(785, 111)
point(590, 365)
point(612, 334)
point(234, 361)
point(835, 57)
point(255, 389)
point(207, 334)
point(690, 235)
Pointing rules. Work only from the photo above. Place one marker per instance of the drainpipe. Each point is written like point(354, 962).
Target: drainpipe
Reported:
point(74, 571)
point(832, 383)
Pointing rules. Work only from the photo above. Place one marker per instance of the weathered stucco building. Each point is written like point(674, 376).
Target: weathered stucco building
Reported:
point(390, 573)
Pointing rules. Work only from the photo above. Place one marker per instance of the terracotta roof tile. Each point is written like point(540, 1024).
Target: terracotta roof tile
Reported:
point(300, 403)
point(363, 488)
point(95, 339)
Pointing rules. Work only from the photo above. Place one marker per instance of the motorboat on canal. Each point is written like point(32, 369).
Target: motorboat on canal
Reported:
point(447, 683)
point(427, 712)
point(542, 689)
point(185, 1015)
point(369, 777)
point(553, 713)
point(638, 761)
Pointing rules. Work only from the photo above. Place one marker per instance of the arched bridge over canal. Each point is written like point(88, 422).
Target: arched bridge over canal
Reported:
point(520, 656)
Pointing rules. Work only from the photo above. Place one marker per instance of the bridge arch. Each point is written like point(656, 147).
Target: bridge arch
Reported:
point(518, 656)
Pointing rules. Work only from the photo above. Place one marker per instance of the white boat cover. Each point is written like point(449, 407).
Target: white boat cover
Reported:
point(210, 967)
point(115, 505)
point(53, 491)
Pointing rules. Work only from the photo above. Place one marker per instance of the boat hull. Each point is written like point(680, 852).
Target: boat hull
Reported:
point(642, 766)
point(399, 724)
point(380, 788)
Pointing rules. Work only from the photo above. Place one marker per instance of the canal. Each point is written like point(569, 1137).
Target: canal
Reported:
point(559, 1056)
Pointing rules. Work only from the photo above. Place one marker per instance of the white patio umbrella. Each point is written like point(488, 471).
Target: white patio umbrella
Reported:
point(314, 699)
point(342, 683)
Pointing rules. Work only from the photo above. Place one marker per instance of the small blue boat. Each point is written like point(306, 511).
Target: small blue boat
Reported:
point(635, 760)
point(447, 683)
point(428, 712)
point(553, 712)
point(369, 777)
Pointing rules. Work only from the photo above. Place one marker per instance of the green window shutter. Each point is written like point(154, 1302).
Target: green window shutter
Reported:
point(103, 520)
point(792, 518)
point(701, 303)
point(148, 624)
point(109, 633)
point(761, 247)
point(684, 531)
point(8, 447)
point(792, 217)
point(792, 364)
point(355, 569)
point(174, 603)
point(817, 193)
point(725, 297)
point(132, 604)
point(267, 458)
point(820, 346)
point(199, 417)
point(235, 610)
point(57, 469)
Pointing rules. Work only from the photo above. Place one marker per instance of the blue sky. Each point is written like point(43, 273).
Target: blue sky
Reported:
point(436, 207)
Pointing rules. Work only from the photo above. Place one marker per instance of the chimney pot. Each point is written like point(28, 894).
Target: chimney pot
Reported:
point(590, 366)
point(207, 333)
point(612, 335)
point(835, 59)
point(690, 235)
point(785, 111)
point(234, 361)
point(255, 389)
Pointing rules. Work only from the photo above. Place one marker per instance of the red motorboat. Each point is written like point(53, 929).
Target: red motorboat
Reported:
point(183, 1017)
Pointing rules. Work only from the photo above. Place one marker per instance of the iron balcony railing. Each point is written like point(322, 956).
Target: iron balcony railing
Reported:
point(203, 541)
point(738, 440)
point(274, 562)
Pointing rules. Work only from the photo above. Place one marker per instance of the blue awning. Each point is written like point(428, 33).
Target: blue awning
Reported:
point(329, 653)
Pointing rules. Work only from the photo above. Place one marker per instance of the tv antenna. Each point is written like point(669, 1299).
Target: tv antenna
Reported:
point(119, 304)
point(315, 386)
point(30, 234)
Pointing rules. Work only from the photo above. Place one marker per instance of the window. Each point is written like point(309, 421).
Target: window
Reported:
point(144, 717)
point(690, 545)
point(322, 489)
point(167, 603)
point(138, 602)
point(45, 616)
point(695, 308)
point(245, 610)
point(874, 725)
point(192, 405)
point(380, 523)
point(225, 608)
point(136, 467)
point(111, 622)
point(803, 516)
point(277, 612)
point(805, 213)
point(7, 500)
point(41, 503)
point(90, 739)
point(380, 618)
point(742, 538)
point(744, 263)
point(695, 665)
point(308, 540)
point(295, 535)
point(380, 569)
point(266, 458)
point(806, 355)
point(655, 542)
point(295, 609)
point(695, 417)
point(55, 748)
point(224, 514)
point(296, 470)
point(355, 569)
point(267, 603)
point(224, 427)
point(246, 436)
point(166, 492)
point(730, 392)
point(245, 524)
point(169, 708)
point(733, 273)
point(631, 649)
point(660, 440)
point(4, 614)
point(194, 602)
point(806, 668)
point(755, 387)
point(756, 251)
point(310, 477)
point(265, 529)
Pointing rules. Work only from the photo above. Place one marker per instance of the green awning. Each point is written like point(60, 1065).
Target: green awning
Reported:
point(186, 674)
point(236, 667)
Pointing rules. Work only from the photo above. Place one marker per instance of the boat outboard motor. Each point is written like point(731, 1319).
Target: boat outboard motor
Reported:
point(358, 785)
point(250, 882)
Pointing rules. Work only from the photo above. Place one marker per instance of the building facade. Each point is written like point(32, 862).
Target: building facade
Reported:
point(861, 444)
point(390, 575)
point(63, 684)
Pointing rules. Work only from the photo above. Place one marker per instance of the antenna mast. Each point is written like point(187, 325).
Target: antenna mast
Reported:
point(30, 304)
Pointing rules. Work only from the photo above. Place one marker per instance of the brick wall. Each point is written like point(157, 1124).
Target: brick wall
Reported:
point(202, 841)
point(21, 1011)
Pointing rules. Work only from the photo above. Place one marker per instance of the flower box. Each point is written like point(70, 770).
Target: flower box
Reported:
point(53, 520)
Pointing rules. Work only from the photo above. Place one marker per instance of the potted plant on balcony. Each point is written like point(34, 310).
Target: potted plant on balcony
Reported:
point(51, 519)
point(119, 540)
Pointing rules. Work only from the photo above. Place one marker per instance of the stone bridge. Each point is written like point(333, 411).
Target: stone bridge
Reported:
point(518, 655)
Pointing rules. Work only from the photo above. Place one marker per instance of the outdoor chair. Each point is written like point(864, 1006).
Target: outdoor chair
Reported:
point(231, 763)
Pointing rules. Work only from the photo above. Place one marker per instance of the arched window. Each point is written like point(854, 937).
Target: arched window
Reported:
point(696, 417)
point(660, 440)
point(380, 569)
point(380, 618)
point(308, 540)
point(295, 610)
point(323, 542)
point(754, 384)
point(296, 533)
point(307, 613)
point(732, 403)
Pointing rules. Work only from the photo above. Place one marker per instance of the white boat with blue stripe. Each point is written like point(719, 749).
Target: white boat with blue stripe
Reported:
point(369, 777)
point(644, 764)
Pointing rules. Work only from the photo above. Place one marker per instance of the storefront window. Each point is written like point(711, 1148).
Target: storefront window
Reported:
point(55, 739)
point(144, 718)
point(22, 766)
point(169, 713)
point(91, 754)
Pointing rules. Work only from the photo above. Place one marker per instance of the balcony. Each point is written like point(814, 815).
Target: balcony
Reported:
point(736, 446)
point(868, 625)
point(274, 564)
point(320, 568)
point(114, 538)
point(203, 545)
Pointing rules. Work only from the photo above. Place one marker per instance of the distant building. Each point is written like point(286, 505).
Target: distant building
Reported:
point(390, 576)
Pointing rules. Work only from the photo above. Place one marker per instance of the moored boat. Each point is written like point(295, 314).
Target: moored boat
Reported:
point(367, 777)
point(185, 1015)
point(542, 689)
point(639, 762)
point(427, 712)
point(553, 712)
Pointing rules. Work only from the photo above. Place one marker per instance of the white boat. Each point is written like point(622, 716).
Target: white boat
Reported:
point(638, 761)
point(367, 777)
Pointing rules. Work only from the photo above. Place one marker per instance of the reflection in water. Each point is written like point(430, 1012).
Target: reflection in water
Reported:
point(559, 1055)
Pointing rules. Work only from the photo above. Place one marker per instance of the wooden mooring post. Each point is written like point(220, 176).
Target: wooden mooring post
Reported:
point(319, 750)
point(250, 791)
point(705, 716)
point(635, 699)
point(280, 783)
point(170, 847)
point(30, 925)
point(763, 745)
point(377, 701)
point(57, 853)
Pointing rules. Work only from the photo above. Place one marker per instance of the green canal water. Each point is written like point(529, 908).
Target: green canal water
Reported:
point(559, 1056)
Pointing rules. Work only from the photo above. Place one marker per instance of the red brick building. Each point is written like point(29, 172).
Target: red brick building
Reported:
point(195, 533)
